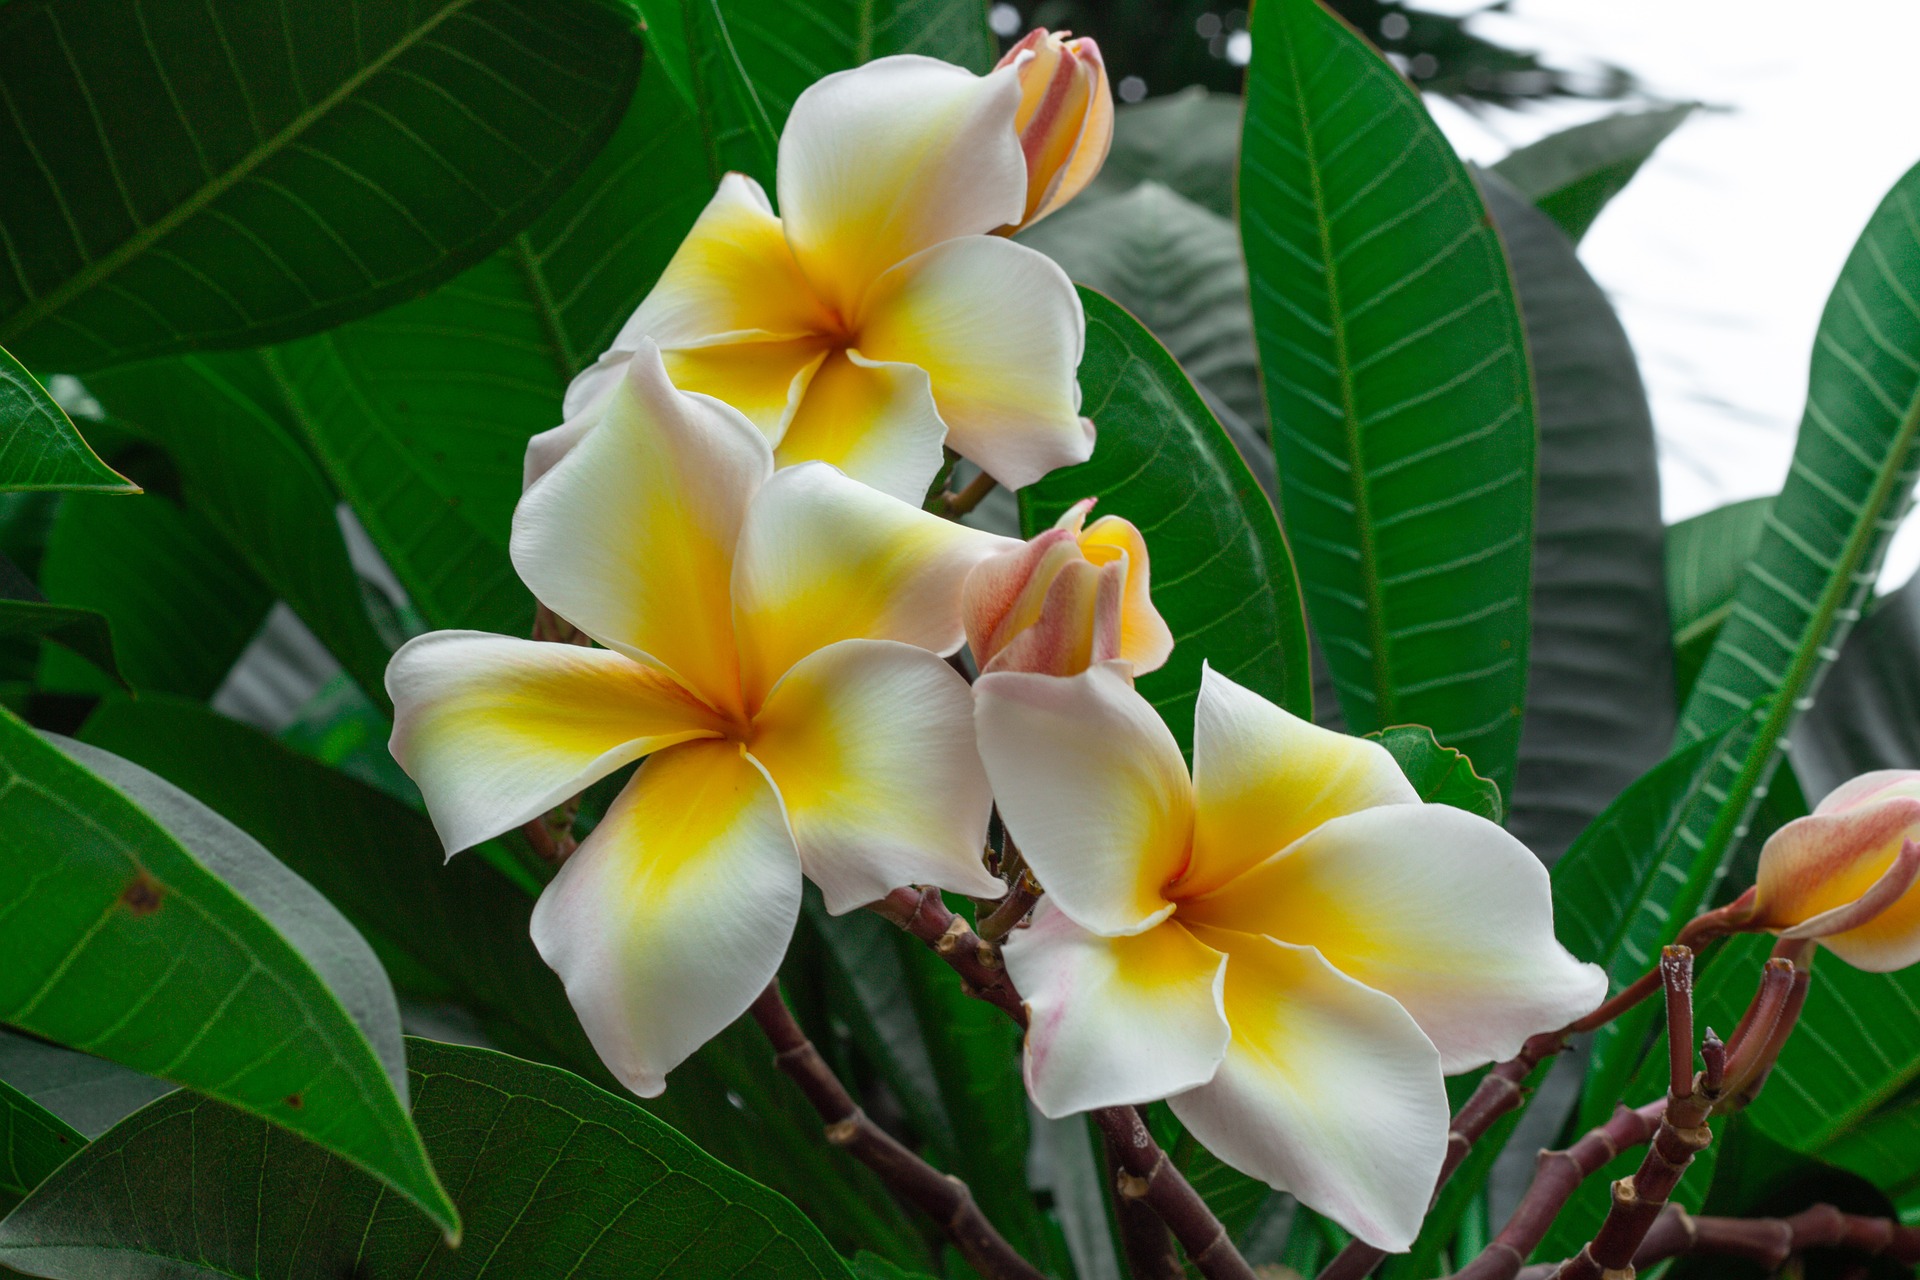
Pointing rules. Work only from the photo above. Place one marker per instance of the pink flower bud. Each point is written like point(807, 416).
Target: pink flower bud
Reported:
point(1065, 119)
point(1069, 598)
point(1845, 874)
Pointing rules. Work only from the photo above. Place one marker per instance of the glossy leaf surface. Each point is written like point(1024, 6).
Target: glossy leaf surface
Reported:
point(1706, 556)
point(36, 1142)
point(39, 446)
point(82, 631)
point(1572, 174)
point(1440, 774)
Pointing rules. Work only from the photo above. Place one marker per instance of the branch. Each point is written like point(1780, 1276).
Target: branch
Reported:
point(1143, 1237)
point(944, 1198)
point(1771, 1242)
point(954, 505)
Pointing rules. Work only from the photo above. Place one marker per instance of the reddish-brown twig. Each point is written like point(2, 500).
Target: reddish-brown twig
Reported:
point(944, 1198)
point(954, 505)
point(1144, 1238)
point(1767, 1241)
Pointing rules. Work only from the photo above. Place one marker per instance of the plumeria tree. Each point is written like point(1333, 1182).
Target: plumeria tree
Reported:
point(761, 639)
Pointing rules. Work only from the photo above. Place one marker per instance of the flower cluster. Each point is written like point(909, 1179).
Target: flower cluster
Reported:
point(1286, 943)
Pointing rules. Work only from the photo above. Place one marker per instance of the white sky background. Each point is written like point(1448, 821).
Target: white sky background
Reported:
point(1721, 252)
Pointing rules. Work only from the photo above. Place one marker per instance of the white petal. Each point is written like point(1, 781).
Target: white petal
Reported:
point(876, 422)
point(1328, 1091)
point(1115, 1021)
point(497, 731)
point(1438, 908)
point(674, 913)
point(1092, 788)
point(870, 744)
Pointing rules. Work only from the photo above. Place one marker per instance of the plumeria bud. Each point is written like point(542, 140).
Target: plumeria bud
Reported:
point(1071, 597)
point(1845, 874)
point(1065, 119)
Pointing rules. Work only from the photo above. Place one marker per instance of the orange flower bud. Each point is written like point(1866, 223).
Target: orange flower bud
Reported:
point(1069, 598)
point(1845, 874)
point(1065, 119)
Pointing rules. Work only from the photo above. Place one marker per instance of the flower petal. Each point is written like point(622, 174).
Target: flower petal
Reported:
point(1328, 1091)
point(673, 915)
point(824, 558)
point(1115, 1021)
point(870, 744)
point(1145, 639)
point(1436, 907)
point(999, 330)
point(497, 731)
point(1824, 861)
point(1263, 777)
point(631, 536)
point(1889, 940)
point(874, 421)
point(764, 379)
point(880, 162)
point(1092, 788)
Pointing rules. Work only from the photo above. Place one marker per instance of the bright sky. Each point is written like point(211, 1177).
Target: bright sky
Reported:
point(1721, 252)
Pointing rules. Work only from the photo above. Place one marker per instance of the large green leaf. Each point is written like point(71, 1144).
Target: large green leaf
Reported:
point(1706, 556)
point(1222, 575)
point(39, 448)
point(163, 938)
point(1572, 174)
point(1188, 140)
point(1867, 714)
point(36, 1142)
point(90, 1094)
point(82, 631)
point(1851, 480)
point(224, 176)
point(555, 1177)
point(1397, 384)
point(1439, 774)
point(1599, 709)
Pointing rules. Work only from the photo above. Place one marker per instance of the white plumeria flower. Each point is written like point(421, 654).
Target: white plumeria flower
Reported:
point(874, 319)
point(771, 645)
point(1289, 947)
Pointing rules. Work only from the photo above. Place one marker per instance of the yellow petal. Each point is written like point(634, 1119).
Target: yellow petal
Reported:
point(631, 536)
point(1263, 777)
point(763, 379)
point(870, 744)
point(876, 422)
point(497, 731)
point(674, 914)
point(1145, 639)
point(999, 330)
point(824, 558)
point(1814, 868)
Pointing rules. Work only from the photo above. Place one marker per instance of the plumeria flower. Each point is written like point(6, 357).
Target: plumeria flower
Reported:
point(874, 319)
point(770, 646)
point(1845, 874)
point(1065, 119)
point(1072, 596)
point(1288, 946)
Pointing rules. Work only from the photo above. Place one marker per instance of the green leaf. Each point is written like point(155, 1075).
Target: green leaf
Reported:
point(1851, 480)
point(1397, 383)
point(1572, 174)
point(226, 177)
point(36, 1142)
point(1867, 714)
point(1706, 556)
point(1222, 575)
point(1440, 774)
point(39, 447)
point(89, 1093)
point(81, 631)
point(1188, 140)
point(1599, 710)
point(554, 1176)
point(144, 928)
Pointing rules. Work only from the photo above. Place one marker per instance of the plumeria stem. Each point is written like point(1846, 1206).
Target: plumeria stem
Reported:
point(944, 1198)
point(1771, 1242)
point(1144, 1238)
point(959, 504)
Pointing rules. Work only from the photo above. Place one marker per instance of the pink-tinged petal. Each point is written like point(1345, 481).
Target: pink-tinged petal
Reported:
point(1880, 782)
point(674, 913)
point(1436, 907)
point(1092, 788)
point(631, 536)
point(882, 161)
point(497, 731)
point(870, 744)
point(1828, 860)
point(824, 558)
point(1328, 1091)
point(1002, 596)
point(999, 330)
point(876, 422)
point(1145, 639)
point(1263, 777)
point(1115, 1021)
point(1880, 898)
point(1889, 938)
point(1076, 626)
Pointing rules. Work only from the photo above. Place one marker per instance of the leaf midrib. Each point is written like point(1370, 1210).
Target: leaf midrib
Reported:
point(100, 269)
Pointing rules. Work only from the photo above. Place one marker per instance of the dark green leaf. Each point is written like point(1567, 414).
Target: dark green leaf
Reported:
point(1867, 713)
point(39, 448)
point(1572, 174)
point(1189, 140)
point(1222, 575)
point(81, 631)
point(1440, 774)
point(36, 1142)
point(165, 939)
point(1852, 478)
point(1706, 556)
point(1599, 706)
point(225, 176)
point(555, 1178)
point(1397, 384)
point(89, 1093)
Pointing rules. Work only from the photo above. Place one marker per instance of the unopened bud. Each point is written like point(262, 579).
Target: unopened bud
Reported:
point(1065, 121)
point(1069, 598)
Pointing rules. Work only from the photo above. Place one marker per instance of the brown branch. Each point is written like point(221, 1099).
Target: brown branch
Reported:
point(955, 505)
point(944, 1198)
point(922, 913)
point(1144, 1238)
point(1770, 1242)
